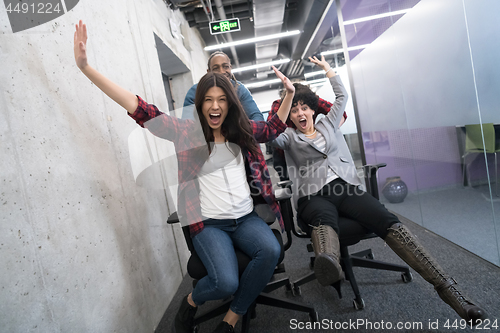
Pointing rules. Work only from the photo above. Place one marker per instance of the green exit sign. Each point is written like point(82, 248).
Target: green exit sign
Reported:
point(221, 27)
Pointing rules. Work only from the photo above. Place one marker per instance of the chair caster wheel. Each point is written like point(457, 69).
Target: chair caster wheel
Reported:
point(370, 256)
point(289, 286)
point(196, 329)
point(358, 305)
point(296, 291)
point(313, 316)
point(406, 277)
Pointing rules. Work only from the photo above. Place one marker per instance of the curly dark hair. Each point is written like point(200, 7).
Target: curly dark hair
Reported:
point(304, 95)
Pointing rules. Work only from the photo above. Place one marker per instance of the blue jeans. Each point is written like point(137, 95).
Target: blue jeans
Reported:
point(215, 246)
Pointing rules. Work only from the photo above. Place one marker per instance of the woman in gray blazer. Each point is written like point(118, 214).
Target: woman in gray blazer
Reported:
point(326, 183)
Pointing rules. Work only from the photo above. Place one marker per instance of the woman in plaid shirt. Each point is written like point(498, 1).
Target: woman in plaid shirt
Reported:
point(222, 173)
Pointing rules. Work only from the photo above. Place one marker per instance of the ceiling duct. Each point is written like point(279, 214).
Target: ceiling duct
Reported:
point(222, 15)
point(268, 20)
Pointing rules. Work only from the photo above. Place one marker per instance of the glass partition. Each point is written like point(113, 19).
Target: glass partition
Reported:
point(422, 72)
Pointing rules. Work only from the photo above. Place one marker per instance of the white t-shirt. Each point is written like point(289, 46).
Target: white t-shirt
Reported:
point(224, 190)
point(320, 142)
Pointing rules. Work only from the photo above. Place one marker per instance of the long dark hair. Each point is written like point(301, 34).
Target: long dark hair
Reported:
point(236, 127)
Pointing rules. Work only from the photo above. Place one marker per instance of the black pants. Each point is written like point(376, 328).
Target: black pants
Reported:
point(340, 198)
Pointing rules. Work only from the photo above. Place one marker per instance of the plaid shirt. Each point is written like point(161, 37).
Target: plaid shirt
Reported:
point(192, 153)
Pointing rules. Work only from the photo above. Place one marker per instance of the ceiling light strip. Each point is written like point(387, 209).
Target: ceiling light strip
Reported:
point(262, 83)
point(374, 17)
point(353, 48)
point(322, 80)
point(266, 64)
point(310, 74)
point(252, 40)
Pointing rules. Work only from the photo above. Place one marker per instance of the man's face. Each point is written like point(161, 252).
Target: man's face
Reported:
point(221, 64)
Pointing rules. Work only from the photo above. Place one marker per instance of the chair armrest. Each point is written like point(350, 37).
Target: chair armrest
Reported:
point(173, 218)
point(284, 191)
point(282, 194)
point(371, 178)
point(374, 167)
point(285, 184)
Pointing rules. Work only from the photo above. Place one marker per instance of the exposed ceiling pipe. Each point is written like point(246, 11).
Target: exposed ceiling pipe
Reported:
point(317, 28)
point(210, 16)
point(268, 20)
point(222, 15)
point(293, 69)
point(301, 70)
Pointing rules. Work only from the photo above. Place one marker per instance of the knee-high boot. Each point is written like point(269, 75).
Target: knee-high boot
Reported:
point(403, 242)
point(326, 247)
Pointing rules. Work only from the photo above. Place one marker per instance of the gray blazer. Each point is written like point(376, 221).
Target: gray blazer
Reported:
point(307, 165)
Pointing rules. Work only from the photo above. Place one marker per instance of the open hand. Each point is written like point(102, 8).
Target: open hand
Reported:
point(286, 82)
point(80, 46)
point(323, 64)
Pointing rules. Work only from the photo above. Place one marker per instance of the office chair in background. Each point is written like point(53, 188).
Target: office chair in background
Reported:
point(474, 144)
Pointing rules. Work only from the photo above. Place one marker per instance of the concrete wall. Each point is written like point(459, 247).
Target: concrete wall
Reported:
point(83, 247)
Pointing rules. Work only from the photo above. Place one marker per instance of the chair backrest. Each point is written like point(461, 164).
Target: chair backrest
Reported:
point(474, 137)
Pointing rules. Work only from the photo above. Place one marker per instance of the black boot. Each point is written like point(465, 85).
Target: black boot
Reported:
point(224, 327)
point(406, 246)
point(183, 322)
point(326, 247)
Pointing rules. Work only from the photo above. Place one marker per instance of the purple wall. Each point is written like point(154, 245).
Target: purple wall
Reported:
point(424, 158)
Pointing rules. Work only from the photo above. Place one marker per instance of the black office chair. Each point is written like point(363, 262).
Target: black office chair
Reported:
point(197, 270)
point(351, 232)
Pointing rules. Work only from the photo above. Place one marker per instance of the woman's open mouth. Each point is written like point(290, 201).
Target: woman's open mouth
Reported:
point(303, 123)
point(214, 118)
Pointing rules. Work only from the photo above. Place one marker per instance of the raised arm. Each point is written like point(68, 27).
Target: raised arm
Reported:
point(324, 65)
point(286, 104)
point(121, 96)
point(337, 109)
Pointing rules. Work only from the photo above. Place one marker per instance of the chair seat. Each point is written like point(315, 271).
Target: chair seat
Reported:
point(197, 270)
point(351, 232)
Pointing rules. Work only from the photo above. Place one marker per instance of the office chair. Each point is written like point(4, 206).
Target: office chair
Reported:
point(197, 270)
point(351, 232)
point(474, 144)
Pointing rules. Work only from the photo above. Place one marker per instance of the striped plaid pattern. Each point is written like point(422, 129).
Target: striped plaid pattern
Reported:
point(192, 152)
